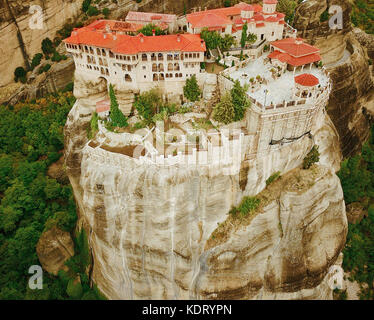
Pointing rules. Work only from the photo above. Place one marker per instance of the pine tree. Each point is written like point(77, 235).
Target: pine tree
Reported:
point(191, 90)
point(240, 100)
point(243, 40)
point(116, 115)
point(224, 111)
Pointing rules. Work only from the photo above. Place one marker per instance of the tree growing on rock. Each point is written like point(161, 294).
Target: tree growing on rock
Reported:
point(224, 111)
point(116, 115)
point(240, 100)
point(191, 89)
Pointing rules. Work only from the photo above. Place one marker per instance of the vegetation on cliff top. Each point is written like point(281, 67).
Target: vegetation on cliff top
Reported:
point(362, 15)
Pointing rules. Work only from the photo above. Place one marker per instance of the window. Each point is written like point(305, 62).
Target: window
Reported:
point(144, 57)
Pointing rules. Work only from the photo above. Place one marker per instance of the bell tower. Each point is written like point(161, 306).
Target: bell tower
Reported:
point(269, 6)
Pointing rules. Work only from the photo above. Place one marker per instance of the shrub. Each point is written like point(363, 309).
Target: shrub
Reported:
point(93, 11)
point(324, 16)
point(191, 89)
point(227, 3)
point(147, 30)
point(94, 127)
point(20, 72)
point(47, 46)
point(275, 176)
point(86, 5)
point(224, 111)
point(56, 57)
point(240, 100)
point(312, 157)
point(246, 207)
point(147, 104)
point(106, 12)
point(36, 60)
point(46, 67)
point(116, 115)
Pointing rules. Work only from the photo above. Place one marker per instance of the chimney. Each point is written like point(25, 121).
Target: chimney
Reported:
point(199, 9)
point(154, 32)
point(107, 28)
point(206, 8)
point(178, 37)
point(114, 36)
point(141, 38)
point(104, 35)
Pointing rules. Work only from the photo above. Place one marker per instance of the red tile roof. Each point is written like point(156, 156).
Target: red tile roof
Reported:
point(260, 25)
point(208, 19)
point(118, 26)
point(307, 80)
point(296, 47)
point(272, 19)
point(149, 17)
point(125, 44)
point(270, 1)
point(294, 61)
point(249, 7)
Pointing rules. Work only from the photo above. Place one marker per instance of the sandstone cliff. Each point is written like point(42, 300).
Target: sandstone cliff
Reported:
point(351, 104)
point(151, 228)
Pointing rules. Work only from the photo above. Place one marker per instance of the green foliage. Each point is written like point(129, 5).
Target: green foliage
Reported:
point(227, 3)
point(30, 138)
point(226, 42)
point(147, 30)
point(362, 15)
point(240, 100)
point(19, 73)
point(275, 176)
point(106, 12)
point(57, 57)
point(357, 179)
point(224, 111)
point(47, 46)
point(148, 104)
point(243, 38)
point(212, 38)
point(85, 5)
point(247, 207)
point(324, 16)
point(191, 89)
point(36, 60)
point(311, 157)
point(94, 126)
point(118, 119)
point(74, 289)
point(92, 11)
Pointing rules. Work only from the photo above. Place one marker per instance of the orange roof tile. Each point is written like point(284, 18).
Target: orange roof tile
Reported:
point(294, 61)
point(307, 80)
point(208, 20)
point(125, 44)
point(295, 47)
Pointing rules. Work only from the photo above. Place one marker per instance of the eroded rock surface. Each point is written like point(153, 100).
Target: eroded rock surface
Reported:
point(54, 248)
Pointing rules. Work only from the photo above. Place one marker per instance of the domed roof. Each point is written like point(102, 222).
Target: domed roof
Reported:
point(306, 80)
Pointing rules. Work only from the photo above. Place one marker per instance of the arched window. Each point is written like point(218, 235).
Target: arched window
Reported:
point(102, 70)
point(104, 53)
point(155, 77)
point(160, 56)
point(100, 61)
point(154, 67)
point(176, 67)
point(170, 67)
point(128, 78)
point(160, 67)
point(98, 51)
point(107, 72)
point(144, 57)
point(161, 78)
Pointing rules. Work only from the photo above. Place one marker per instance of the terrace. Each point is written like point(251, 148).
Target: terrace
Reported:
point(271, 87)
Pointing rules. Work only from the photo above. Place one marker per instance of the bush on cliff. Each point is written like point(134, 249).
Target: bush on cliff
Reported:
point(240, 100)
point(224, 111)
point(117, 117)
point(311, 157)
point(191, 89)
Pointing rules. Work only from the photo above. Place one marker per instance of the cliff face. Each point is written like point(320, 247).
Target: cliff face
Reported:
point(351, 101)
point(152, 229)
point(21, 41)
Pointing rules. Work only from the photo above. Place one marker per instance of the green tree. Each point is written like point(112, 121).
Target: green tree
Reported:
point(116, 115)
point(191, 89)
point(47, 46)
point(93, 11)
point(212, 38)
point(148, 104)
point(288, 8)
point(240, 100)
point(147, 30)
point(226, 42)
point(36, 60)
point(227, 3)
point(85, 5)
point(243, 39)
point(224, 111)
point(74, 289)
